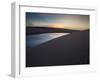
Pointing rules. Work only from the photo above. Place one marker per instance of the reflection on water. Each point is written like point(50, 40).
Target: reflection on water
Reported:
point(34, 40)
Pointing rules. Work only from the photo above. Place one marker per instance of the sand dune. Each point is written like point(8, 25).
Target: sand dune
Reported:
point(39, 30)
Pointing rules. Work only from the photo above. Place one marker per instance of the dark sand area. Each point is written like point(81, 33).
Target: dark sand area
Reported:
point(69, 49)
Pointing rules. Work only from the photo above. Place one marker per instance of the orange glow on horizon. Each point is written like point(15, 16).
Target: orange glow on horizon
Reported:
point(57, 25)
point(63, 26)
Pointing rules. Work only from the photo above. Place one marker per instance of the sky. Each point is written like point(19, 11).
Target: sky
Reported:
point(66, 21)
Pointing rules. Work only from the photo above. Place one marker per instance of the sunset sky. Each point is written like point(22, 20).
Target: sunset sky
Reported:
point(66, 21)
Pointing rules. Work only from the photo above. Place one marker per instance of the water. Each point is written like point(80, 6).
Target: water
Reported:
point(35, 40)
